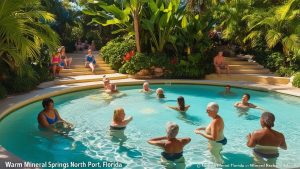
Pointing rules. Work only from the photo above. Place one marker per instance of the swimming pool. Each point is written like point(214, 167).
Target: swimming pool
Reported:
point(91, 113)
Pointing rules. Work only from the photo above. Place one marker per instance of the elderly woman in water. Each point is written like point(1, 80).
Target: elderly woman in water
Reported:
point(49, 118)
point(173, 147)
point(214, 132)
point(146, 88)
point(119, 124)
point(265, 142)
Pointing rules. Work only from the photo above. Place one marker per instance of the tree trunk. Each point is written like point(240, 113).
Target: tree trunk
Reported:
point(137, 31)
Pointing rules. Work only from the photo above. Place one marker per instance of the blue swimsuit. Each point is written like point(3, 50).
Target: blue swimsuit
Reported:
point(90, 59)
point(51, 121)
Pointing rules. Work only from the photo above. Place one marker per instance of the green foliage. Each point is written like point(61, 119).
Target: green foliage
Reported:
point(2, 92)
point(138, 62)
point(296, 80)
point(24, 26)
point(113, 52)
point(276, 26)
point(196, 66)
point(24, 83)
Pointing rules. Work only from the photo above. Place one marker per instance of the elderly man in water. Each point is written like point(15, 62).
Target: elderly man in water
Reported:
point(214, 132)
point(172, 156)
point(265, 141)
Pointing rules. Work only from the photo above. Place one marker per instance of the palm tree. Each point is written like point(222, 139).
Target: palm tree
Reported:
point(120, 15)
point(279, 26)
point(24, 30)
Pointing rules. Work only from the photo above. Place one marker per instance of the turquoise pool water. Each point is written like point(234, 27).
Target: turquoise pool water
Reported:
point(91, 113)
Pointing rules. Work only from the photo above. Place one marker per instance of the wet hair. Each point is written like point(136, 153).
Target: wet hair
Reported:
point(181, 103)
point(46, 102)
point(268, 119)
point(172, 130)
point(228, 86)
point(248, 95)
point(213, 106)
point(117, 112)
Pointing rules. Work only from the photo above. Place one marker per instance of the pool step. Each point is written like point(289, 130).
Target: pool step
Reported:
point(256, 78)
point(88, 78)
point(247, 71)
point(88, 72)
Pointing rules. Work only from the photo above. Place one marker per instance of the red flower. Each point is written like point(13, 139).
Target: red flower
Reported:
point(129, 55)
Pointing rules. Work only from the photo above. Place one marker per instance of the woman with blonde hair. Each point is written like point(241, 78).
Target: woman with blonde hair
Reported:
point(119, 122)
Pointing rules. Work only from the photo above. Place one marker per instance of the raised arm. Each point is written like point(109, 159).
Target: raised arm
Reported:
point(283, 143)
point(251, 140)
point(158, 141)
point(129, 119)
point(186, 141)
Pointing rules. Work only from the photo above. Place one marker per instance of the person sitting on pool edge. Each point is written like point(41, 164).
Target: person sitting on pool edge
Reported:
point(214, 132)
point(181, 105)
point(160, 93)
point(146, 88)
point(172, 146)
point(49, 118)
point(244, 104)
point(266, 141)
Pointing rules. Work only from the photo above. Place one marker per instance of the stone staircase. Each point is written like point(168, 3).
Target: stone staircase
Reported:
point(78, 66)
point(80, 74)
point(244, 71)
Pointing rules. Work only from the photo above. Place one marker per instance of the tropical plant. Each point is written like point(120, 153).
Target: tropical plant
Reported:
point(296, 80)
point(161, 21)
point(23, 30)
point(228, 20)
point(279, 27)
point(115, 50)
point(120, 14)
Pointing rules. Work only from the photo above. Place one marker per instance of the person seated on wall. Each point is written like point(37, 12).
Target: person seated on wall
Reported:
point(160, 93)
point(49, 118)
point(219, 63)
point(90, 60)
point(56, 66)
point(146, 88)
point(65, 59)
point(244, 103)
point(265, 141)
point(172, 156)
point(119, 124)
point(181, 107)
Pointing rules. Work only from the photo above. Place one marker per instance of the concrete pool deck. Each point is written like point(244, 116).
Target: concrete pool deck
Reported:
point(15, 102)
